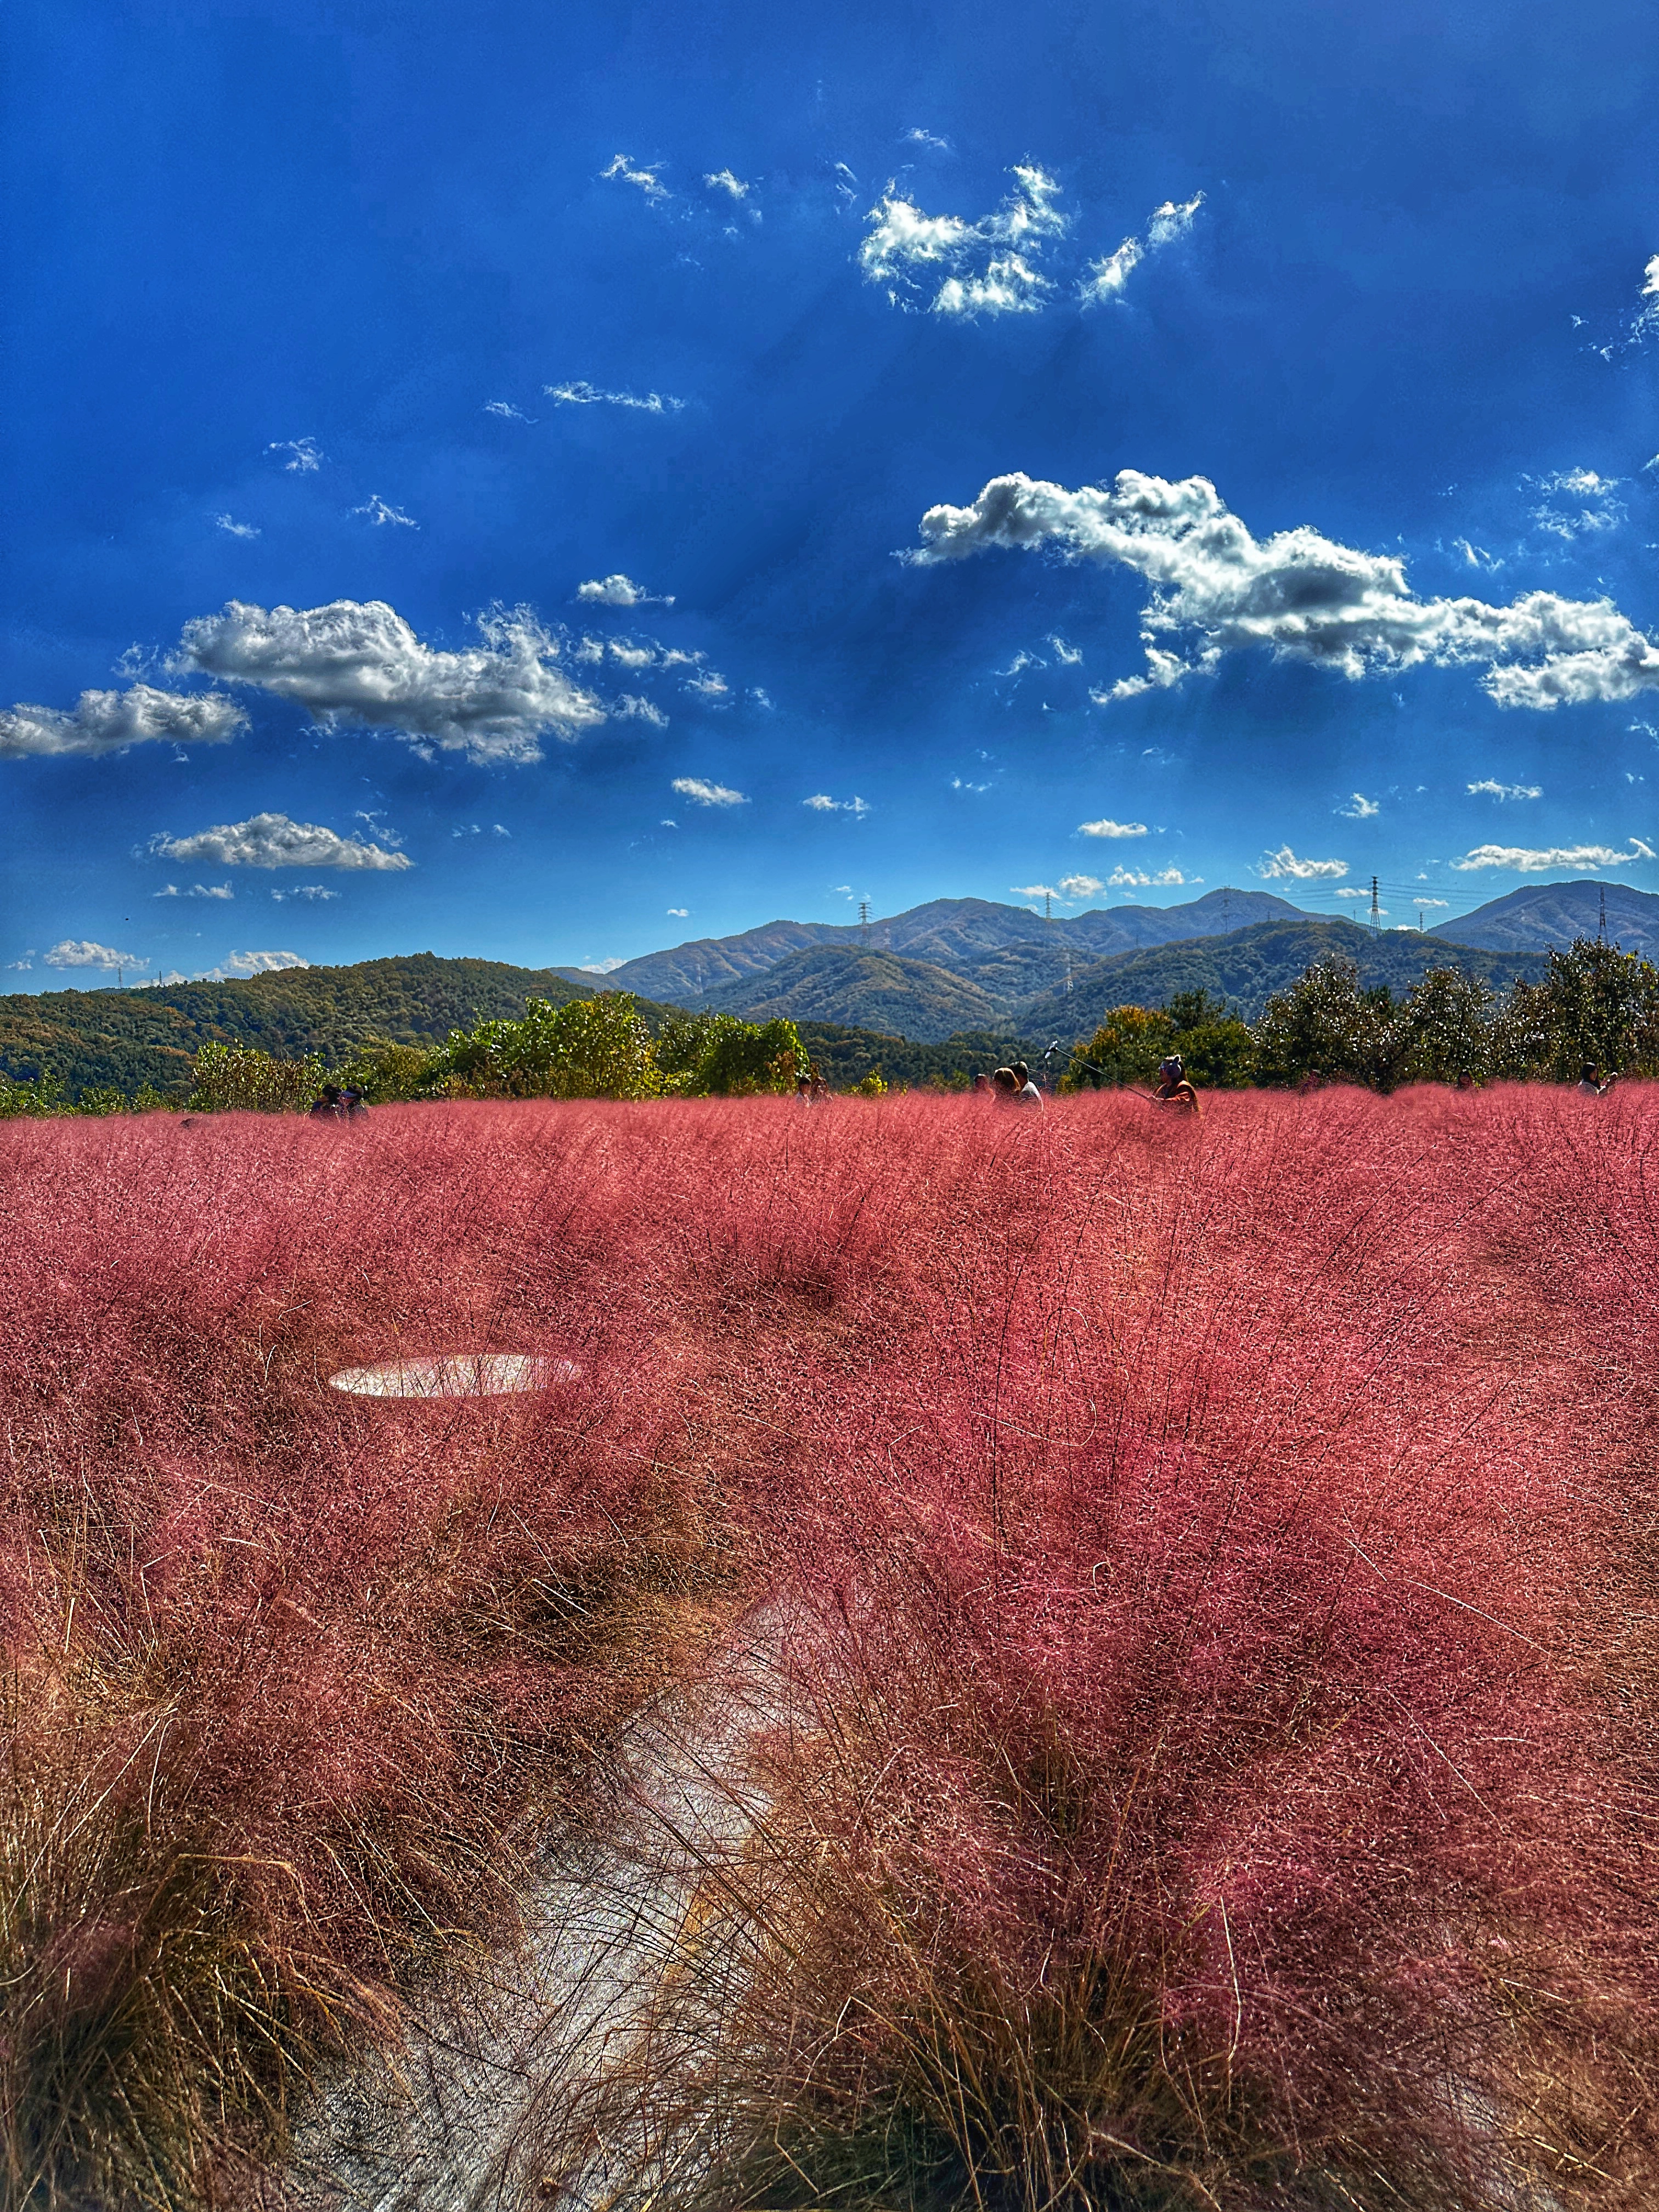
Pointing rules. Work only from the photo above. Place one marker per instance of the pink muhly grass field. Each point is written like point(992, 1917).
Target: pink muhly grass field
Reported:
point(1218, 1571)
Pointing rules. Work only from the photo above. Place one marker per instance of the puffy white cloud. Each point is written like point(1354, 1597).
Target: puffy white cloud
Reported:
point(1284, 862)
point(1140, 878)
point(702, 792)
point(722, 180)
point(583, 394)
point(603, 967)
point(1080, 887)
point(1107, 828)
point(679, 913)
point(1531, 860)
point(711, 687)
point(1104, 280)
point(647, 177)
point(312, 892)
point(81, 952)
point(261, 963)
point(109, 721)
point(1296, 594)
point(234, 529)
point(304, 457)
point(379, 514)
point(619, 591)
point(987, 267)
point(1359, 809)
point(358, 663)
point(273, 841)
point(1034, 891)
point(820, 802)
point(196, 890)
point(1496, 790)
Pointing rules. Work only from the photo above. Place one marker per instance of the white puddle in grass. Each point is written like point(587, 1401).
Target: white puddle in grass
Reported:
point(455, 1374)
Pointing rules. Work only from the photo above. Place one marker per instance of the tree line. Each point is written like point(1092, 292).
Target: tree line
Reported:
point(1595, 1005)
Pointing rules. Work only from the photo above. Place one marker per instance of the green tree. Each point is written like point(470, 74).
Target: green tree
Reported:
point(1127, 1048)
point(240, 1078)
point(595, 1047)
point(387, 1073)
point(1325, 1023)
point(1595, 1003)
point(702, 1055)
point(36, 1099)
point(1448, 1027)
point(103, 1098)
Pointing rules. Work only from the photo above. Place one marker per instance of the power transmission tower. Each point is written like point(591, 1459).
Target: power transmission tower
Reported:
point(1376, 911)
point(863, 921)
point(1047, 906)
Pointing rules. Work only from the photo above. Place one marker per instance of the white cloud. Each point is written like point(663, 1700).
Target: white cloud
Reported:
point(506, 409)
point(309, 891)
point(1107, 828)
point(1021, 661)
point(1297, 594)
point(603, 967)
point(1034, 891)
point(1080, 887)
point(304, 457)
point(710, 686)
point(1497, 790)
point(1359, 809)
point(381, 513)
point(233, 529)
point(583, 394)
point(196, 890)
point(702, 792)
point(358, 663)
point(619, 591)
point(1129, 878)
point(919, 137)
point(109, 721)
point(1476, 555)
point(680, 913)
point(987, 267)
point(1284, 862)
point(1104, 280)
point(722, 180)
point(20, 966)
point(820, 802)
point(1530, 860)
point(630, 707)
point(1577, 503)
point(261, 963)
point(631, 173)
point(1172, 220)
point(273, 841)
point(1068, 656)
point(74, 952)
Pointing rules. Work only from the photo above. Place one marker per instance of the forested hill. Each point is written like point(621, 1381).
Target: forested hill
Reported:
point(1247, 967)
point(128, 1038)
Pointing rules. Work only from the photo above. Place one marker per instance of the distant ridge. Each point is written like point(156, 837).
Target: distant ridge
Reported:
point(1539, 915)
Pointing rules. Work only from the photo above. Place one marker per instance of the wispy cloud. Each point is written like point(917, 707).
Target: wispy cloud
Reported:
point(232, 528)
point(506, 410)
point(1576, 503)
point(710, 686)
point(1106, 279)
point(619, 591)
point(1107, 828)
point(109, 721)
point(196, 890)
point(1284, 863)
point(722, 180)
point(919, 138)
point(987, 267)
point(1492, 789)
point(379, 514)
point(261, 963)
point(632, 707)
point(305, 456)
point(702, 792)
point(1358, 808)
point(274, 840)
point(645, 176)
point(1530, 860)
point(313, 892)
point(584, 394)
point(82, 952)
point(1297, 594)
point(358, 663)
point(820, 802)
point(1068, 656)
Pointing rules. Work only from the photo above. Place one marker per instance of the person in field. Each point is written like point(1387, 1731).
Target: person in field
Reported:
point(329, 1106)
point(1590, 1083)
point(1026, 1093)
point(983, 1086)
point(1173, 1088)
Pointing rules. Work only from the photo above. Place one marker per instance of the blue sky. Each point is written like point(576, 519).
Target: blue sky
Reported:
point(349, 342)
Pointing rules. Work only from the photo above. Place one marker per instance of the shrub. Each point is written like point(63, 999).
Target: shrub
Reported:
point(719, 1055)
point(596, 1048)
point(35, 1098)
point(240, 1078)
